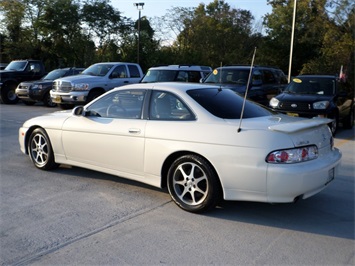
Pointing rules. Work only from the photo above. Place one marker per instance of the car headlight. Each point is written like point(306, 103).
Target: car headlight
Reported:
point(296, 155)
point(274, 102)
point(81, 87)
point(321, 105)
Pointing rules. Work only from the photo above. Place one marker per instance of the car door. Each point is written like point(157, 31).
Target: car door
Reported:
point(118, 77)
point(110, 136)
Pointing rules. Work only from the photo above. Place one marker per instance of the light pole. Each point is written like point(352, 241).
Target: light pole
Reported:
point(292, 38)
point(139, 7)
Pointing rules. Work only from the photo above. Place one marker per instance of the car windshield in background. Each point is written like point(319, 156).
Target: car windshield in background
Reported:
point(312, 85)
point(231, 76)
point(55, 74)
point(17, 65)
point(226, 104)
point(98, 70)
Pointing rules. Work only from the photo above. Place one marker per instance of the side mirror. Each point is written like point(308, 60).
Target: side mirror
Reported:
point(78, 111)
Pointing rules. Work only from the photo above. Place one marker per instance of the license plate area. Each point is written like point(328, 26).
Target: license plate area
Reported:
point(293, 114)
point(57, 99)
point(331, 175)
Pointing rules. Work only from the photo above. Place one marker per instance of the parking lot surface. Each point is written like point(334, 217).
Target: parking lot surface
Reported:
point(73, 216)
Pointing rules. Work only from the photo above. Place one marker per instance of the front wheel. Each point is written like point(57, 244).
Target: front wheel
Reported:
point(40, 150)
point(193, 184)
point(47, 100)
point(8, 95)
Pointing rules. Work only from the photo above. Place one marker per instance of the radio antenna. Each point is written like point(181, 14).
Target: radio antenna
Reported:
point(246, 92)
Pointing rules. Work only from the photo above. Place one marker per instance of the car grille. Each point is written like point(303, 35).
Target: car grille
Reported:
point(63, 86)
point(291, 106)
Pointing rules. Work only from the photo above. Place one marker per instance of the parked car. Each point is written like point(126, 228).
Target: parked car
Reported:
point(265, 81)
point(93, 81)
point(317, 95)
point(182, 73)
point(16, 72)
point(189, 137)
point(31, 92)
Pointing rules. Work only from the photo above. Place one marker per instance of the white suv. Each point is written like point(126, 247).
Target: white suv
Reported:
point(178, 73)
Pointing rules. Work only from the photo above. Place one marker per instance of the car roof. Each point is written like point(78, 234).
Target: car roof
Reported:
point(182, 67)
point(169, 86)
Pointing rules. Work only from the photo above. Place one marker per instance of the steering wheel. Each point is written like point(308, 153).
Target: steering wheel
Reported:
point(116, 110)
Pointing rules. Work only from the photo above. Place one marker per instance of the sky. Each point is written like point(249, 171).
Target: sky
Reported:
point(158, 8)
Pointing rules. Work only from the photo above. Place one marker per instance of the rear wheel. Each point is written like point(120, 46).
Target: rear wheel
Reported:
point(40, 150)
point(193, 184)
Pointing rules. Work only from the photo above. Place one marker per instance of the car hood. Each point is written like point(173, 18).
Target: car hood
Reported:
point(49, 121)
point(38, 82)
point(305, 98)
point(80, 78)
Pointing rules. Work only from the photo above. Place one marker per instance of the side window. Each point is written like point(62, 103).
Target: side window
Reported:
point(126, 104)
point(133, 70)
point(268, 77)
point(166, 106)
point(119, 72)
point(35, 67)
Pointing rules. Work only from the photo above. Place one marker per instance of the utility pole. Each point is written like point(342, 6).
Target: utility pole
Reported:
point(139, 7)
point(292, 38)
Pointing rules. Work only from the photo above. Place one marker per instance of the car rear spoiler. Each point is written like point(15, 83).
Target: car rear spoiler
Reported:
point(300, 125)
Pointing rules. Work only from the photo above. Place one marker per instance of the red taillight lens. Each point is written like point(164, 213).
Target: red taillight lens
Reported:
point(293, 155)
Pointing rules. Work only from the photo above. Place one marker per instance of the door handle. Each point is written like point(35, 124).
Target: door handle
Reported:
point(134, 130)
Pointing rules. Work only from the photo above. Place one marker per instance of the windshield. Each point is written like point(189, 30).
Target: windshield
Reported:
point(16, 65)
point(231, 76)
point(97, 70)
point(225, 103)
point(55, 74)
point(312, 85)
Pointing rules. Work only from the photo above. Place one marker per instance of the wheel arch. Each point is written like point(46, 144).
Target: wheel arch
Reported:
point(28, 134)
point(172, 157)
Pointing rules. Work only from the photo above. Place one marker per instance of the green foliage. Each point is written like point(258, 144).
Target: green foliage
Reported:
point(79, 33)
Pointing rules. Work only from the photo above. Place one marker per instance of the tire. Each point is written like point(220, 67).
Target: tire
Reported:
point(93, 95)
point(47, 100)
point(334, 124)
point(193, 184)
point(40, 150)
point(8, 95)
point(349, 120)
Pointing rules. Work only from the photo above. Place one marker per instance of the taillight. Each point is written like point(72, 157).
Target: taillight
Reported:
point(296, 155)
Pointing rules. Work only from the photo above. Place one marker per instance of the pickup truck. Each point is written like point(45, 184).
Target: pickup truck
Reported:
point(15, 73)
point(92, 82)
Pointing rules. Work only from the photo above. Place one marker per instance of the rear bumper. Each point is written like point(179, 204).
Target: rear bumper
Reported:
point(286, 183)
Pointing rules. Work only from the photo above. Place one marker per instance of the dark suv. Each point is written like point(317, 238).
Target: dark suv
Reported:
point(31, 92)
point(317, 95)
point(176, 73)
point(265, 81)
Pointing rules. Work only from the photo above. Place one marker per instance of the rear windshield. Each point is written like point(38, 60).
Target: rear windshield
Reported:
point(226, 104)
